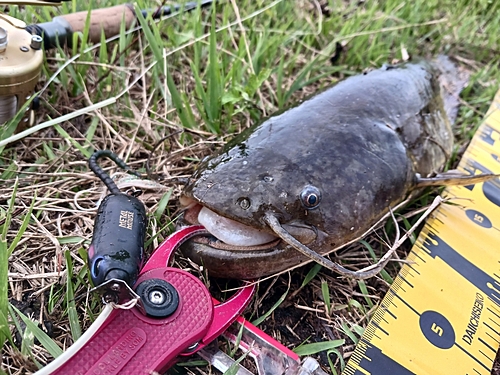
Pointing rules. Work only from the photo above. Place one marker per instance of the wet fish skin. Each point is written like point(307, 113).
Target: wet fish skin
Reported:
point(361, 143)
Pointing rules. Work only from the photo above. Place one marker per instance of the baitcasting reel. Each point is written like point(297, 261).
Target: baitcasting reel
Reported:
point(21, 53)
point(21, 59)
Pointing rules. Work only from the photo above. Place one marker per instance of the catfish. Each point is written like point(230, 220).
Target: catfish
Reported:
point(316, 176)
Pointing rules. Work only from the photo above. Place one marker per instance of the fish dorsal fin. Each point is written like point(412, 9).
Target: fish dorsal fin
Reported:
point(453, 177)
point(452, 79)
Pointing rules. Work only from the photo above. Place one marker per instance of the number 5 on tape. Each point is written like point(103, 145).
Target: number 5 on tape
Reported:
point(442, 313)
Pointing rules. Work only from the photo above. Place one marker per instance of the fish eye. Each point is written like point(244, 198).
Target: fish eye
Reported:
point(310, 197)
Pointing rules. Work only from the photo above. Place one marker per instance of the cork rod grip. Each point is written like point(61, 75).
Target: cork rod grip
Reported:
point(107, 19)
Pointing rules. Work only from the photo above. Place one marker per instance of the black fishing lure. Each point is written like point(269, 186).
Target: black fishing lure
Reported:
point(117, 248)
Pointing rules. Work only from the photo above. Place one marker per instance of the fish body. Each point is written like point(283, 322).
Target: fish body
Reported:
point(327, 169)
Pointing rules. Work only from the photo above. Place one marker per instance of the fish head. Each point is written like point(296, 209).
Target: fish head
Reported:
point(231, 194)
point(244, 188)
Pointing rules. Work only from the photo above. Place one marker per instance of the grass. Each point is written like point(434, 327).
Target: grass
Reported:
point(212, 73)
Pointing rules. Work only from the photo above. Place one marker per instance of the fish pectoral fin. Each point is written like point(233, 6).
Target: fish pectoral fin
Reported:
point(453, 177)
point(301, 232)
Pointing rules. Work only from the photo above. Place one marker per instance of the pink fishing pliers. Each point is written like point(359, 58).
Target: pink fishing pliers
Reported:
point(176, 316)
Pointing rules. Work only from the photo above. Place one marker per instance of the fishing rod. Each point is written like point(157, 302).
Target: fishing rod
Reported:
point(22, 45)
point(60, 29)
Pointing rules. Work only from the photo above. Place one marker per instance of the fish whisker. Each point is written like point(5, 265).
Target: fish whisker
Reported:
point(399, 241)
point(364, 273)
point(275, 225)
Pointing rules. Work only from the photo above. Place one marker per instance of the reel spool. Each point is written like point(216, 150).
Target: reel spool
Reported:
point(21, 59)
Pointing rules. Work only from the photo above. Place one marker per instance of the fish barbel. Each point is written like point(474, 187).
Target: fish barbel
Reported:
point(320, 174)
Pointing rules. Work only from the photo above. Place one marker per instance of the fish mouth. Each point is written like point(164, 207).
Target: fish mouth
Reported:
point(251, 253)
point(225, 233)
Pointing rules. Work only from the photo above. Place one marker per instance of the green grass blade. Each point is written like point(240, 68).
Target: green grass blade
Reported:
point(364, 290)
point(162, 204)
point(77, 145)
point(358, 329)
point(4, 329)
point(233, 369)
point(316, 347)
point(4, 269)
point(257, 321)
point(311, 274)
point(325, 291)
point(47, 148)
point(184, 112)
point(71, 240)
point(9, 128)
point(86, 31)
point(44, 339)
point(28, 341)
point(103, 56)
point(21, 229)
point(345, 328)
point(9, 172)
point(150, 37)
point(89, 136)
point(330, 362)
point(8, 213)
point(256, 81)
point(237, 342)
point(385, 275)
point(214, 81)
point(357, 305)
point(74, 323)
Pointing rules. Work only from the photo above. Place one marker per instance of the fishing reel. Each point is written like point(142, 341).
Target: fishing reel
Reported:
point(21, 49)
point(21, 59)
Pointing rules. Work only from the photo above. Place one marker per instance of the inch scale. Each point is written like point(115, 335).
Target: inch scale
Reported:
point(442, 313)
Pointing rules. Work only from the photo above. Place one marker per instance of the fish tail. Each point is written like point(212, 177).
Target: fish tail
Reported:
point(452, 79)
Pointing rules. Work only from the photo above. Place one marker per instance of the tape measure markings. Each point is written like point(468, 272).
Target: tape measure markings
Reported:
point(442, 313)
point(413, 253)
point(374, 361)
point(478, 218)
point(481, 237)
point(439, 248)
point(405, 278)
point(433, 316)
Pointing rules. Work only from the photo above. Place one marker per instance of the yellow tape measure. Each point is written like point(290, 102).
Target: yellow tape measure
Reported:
point(442, 313)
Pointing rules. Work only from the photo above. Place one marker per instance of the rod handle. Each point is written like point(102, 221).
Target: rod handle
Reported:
point(107, 19)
